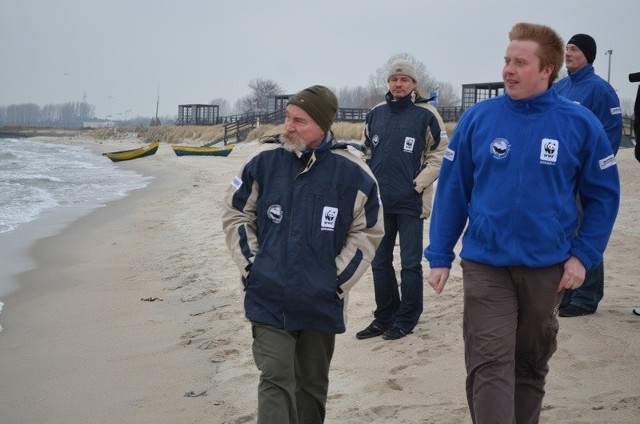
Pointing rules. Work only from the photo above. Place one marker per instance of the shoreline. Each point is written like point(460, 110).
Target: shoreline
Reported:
point(25, 237)
point(47, 223)
point(81, 344)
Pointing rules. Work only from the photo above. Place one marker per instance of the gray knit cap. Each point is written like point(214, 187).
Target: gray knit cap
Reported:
point(402, 67)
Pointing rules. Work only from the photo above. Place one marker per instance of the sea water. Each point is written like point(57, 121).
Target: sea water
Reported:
point(38, 178)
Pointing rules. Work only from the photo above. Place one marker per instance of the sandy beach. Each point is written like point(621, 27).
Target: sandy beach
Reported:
point(133, 314)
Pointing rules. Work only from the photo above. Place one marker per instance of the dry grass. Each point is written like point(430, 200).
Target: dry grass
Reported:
point(172, 134)
point(450, 126)
point(346, 131)
point(201, 134)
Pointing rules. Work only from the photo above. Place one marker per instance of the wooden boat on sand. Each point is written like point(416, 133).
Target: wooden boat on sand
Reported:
point(202, 151)
point(133, 153)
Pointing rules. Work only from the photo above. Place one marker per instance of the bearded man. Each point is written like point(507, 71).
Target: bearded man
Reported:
point(302, 219)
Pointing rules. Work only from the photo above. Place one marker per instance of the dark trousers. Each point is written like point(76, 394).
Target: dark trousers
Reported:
point(294, 374)
point(399, 308)
point(510, 330)
point(590, 293)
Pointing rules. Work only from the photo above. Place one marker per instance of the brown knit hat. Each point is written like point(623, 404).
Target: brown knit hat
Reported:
point(319, 102)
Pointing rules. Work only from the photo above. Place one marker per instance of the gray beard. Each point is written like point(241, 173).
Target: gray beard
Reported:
point(293, 142)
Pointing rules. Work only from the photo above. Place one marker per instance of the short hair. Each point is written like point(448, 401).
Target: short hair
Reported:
point(551, 45)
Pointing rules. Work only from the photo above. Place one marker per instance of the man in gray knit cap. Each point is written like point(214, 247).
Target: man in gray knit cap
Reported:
point(302, 220)
point(405, 140)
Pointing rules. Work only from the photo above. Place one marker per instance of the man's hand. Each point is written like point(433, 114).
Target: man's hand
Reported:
point(438, 278)
point(574, 273)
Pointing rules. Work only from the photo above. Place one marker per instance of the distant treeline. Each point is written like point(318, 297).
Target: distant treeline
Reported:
point(65, 115)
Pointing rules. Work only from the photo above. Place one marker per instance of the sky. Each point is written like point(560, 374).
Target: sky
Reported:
point(122, 55)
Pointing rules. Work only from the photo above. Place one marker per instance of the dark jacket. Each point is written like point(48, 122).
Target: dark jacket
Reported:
point(404, 143)
point(303, 229)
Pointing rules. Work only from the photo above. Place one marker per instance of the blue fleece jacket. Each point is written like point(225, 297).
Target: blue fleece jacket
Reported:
point(594, 93)
point(512, 170)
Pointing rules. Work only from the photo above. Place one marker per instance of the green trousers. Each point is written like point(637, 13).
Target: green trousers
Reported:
point(294, 374)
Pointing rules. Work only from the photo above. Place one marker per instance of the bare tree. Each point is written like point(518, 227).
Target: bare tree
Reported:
point(353, 97)
point(359, 97)
point(245, 104)
point(262, 89)
point(68, 113)
point(29, 114)
point(49, 114)
point(224, 108)
point(258, 100)
point(71, 114)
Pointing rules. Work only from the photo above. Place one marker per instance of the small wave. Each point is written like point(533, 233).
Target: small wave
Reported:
point(42, 176)
point(32, 178)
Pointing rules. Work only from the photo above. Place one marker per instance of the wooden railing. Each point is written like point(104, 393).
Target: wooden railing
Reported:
point(237, 126)
point(240, 125)
point(346, 114)
point(450, 113)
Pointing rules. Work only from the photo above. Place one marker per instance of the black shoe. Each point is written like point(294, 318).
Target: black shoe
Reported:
point(370, 331)
point(393, 334)
point(574, 311)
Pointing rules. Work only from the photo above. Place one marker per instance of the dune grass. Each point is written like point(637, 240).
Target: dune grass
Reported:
point(202, 134)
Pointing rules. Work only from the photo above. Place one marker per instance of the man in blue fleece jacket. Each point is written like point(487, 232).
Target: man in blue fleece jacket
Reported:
point(513, 169)
point(583, 86)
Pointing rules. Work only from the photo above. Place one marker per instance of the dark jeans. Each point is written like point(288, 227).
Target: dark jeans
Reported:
point(590, 293)
point(399, 308)
point(510, 329)
point(294, 374)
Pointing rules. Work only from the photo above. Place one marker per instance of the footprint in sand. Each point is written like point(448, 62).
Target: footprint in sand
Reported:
point(393, 384)
point(191, 337)
point(224, 355)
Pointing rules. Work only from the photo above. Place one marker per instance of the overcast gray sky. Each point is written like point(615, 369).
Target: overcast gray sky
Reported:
point(120, 53)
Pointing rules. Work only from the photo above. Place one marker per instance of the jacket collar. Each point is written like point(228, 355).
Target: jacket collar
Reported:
point(582, 74)
point(402, 103)
point(310, 156)
point(536, 104)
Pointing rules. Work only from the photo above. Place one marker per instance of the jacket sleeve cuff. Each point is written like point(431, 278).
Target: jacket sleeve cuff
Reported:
point(589, 257)
point(438, 260)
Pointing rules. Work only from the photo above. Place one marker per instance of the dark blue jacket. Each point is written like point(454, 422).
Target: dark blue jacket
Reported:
point(404, 143)
point(303, 229)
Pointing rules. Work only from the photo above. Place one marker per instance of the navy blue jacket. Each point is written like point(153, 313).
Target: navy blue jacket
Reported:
point(404, 142)
point(302, 229)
